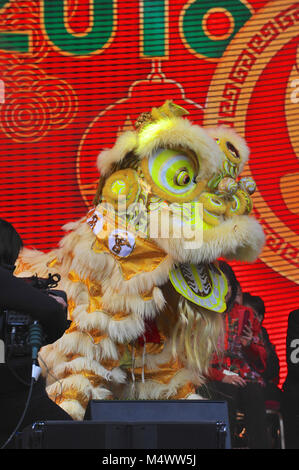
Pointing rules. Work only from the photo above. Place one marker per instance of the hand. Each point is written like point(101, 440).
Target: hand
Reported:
point(234, 379)
point(247, 336)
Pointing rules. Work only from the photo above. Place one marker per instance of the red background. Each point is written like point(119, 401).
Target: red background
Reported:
point(66, 108)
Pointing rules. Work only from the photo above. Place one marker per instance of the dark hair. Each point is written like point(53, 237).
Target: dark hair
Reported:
point(232, 280)
point(255, 302)
point(10, 243)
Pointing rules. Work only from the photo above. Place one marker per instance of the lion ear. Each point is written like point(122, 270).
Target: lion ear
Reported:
point(231, 143)
point(125, 144)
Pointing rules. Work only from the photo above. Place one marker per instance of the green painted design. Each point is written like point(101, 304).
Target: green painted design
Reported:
point(94, 40)
point(154, 28)
point(193, 31)
point(13, 42)
point(215, 180)
point(236, 206)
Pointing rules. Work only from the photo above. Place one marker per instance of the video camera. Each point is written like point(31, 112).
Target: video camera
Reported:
point(18, 330)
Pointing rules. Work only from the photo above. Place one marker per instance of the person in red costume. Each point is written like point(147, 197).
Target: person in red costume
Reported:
point(244, 358)
point(235, 373)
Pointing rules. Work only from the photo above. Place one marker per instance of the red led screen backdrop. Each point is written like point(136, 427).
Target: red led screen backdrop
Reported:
point(74, 73)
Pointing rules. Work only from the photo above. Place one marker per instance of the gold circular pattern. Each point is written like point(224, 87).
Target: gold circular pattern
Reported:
point(121, 186)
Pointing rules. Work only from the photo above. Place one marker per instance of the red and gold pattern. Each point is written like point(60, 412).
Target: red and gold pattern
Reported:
point(54, 102)
point(35, 103)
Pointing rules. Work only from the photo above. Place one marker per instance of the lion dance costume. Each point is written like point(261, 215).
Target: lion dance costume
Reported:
point(146, 306)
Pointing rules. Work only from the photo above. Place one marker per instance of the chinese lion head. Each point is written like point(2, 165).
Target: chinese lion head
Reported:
point(144, 287)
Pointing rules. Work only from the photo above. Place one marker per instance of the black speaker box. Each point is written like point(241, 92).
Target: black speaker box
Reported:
point(162, 411)
point(182, 424)
point(94, 435)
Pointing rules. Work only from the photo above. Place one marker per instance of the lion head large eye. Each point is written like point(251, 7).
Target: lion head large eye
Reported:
point(233, 151)
point(173, 172)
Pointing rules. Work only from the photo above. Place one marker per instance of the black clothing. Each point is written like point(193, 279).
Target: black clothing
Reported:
point(16, 294)
point(271, 373)
point(292, 351)
point(248, 400)
point(290, 412)
point(291, 385)
point(13, 397)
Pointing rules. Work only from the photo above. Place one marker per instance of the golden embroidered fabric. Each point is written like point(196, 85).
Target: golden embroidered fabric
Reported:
point(71, 394)
point(120, 316)
point(145, 257)
point(53, 262)
point(71, 305)
point(164, 373)
point(94, 378)
point(150, 348)
point(21, 266)
point(147, 295)
point(72, 328)
point(97, 335)
point(72, 356)
point(94, 290)
point(184, 391)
